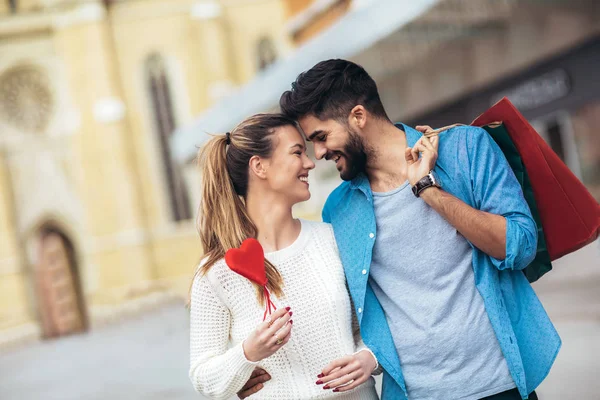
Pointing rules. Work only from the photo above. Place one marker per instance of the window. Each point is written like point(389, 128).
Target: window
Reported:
point(266, 53)
point(164, 121)
point(26, 98)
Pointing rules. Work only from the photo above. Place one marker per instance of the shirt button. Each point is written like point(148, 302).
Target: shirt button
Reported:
point(364, 271)
point(371, 235)
point(359, 310)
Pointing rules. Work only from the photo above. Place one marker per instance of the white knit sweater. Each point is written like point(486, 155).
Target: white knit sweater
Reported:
point(224, 311)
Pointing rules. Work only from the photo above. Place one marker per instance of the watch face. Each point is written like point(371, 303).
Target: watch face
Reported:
point(436, 179)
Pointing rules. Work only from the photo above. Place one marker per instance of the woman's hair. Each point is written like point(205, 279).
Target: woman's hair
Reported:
point(223, 221)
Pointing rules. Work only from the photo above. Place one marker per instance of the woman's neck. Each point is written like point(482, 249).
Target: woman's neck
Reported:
point(276, 226)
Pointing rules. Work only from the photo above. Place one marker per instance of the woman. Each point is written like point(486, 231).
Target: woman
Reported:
point(251, 179)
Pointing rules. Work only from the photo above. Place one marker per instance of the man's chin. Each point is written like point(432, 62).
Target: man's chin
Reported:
point(348, 175)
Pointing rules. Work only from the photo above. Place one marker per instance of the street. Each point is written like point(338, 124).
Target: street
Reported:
point(147, 357)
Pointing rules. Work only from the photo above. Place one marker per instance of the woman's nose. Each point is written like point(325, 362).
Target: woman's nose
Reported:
point(309, 164)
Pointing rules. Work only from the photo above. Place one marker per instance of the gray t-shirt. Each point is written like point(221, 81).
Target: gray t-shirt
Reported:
point(422, 274)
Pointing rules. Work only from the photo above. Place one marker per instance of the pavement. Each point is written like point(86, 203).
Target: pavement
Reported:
point(142, 358)
point(147, 357)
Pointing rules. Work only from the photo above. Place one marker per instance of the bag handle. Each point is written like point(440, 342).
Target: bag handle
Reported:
point(440, 130)
point(445, 128)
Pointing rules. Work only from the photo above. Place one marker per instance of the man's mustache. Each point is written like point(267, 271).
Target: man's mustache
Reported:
point(329, 156)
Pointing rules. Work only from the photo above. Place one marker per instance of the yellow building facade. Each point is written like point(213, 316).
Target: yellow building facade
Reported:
point(96, 221)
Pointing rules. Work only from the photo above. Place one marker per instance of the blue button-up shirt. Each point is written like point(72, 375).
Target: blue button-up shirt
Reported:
point(471, 167)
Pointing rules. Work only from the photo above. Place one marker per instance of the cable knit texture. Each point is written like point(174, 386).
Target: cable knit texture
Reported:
point(224, 311)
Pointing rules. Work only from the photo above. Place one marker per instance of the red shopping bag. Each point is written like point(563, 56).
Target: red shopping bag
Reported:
point(569, 214)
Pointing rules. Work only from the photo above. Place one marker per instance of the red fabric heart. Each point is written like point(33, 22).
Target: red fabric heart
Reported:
point(248, 261)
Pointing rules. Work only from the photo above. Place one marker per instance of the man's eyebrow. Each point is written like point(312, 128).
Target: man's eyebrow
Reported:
point(312, 135)
point(301, 146)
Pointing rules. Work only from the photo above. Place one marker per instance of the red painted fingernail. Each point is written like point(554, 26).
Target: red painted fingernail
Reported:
point(291, 322)
point(319, 382)
point(336, 390)
point(320, 376)
point(291, 312)
point(325, 387)
point(287, 308)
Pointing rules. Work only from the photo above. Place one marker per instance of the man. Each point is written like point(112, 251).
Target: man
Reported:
point(433, 236)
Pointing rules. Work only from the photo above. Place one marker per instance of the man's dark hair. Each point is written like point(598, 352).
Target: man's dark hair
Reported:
point(331, 89)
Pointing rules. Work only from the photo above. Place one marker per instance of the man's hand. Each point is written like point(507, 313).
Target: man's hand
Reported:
point(418, 167)
point(424, 128)
point(255, 383)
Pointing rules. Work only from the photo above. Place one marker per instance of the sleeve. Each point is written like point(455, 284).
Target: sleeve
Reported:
point(359, 345)
point(215, 371)
point(497, 191)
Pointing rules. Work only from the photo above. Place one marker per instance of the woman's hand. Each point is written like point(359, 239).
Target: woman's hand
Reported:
point(348, 372)
point(269, 336)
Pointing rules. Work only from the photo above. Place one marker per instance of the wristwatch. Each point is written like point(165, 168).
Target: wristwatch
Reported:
point(429, 180)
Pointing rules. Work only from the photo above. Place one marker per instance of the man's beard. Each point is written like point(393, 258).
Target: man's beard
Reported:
point(355, 153)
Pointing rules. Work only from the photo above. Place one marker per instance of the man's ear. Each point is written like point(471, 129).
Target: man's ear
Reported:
point(358, 117)
point(258, 167)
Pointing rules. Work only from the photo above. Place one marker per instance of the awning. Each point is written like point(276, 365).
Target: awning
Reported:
point(363, 26)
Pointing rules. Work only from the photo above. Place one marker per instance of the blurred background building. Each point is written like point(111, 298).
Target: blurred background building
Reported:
point(103, 105)
point(95, 217)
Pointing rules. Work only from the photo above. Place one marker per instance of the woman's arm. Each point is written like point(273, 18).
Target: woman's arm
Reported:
point(350, 371)
point(215, 371)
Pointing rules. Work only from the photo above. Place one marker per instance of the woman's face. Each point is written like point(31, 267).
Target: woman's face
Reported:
point(287, 172)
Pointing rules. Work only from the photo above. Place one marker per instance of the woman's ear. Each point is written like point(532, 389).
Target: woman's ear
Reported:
point(258, 167)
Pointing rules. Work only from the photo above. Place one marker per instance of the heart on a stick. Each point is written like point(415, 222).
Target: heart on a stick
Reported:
point(248, 261)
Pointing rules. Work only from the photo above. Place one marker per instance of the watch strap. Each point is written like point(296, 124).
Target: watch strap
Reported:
point(423, 183)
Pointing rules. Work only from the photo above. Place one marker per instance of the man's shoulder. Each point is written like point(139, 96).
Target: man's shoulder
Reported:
point(462, 143)
point(462, 133)
point(337, 196)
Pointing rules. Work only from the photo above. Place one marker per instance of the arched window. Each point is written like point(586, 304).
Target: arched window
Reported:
point(266, 53)
point(164, 121)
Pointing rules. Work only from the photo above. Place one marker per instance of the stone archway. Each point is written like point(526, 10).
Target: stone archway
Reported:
point(57, 282)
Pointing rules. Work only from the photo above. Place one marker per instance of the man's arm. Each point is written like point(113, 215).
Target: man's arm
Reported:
point(486, 231)
point(501, 225)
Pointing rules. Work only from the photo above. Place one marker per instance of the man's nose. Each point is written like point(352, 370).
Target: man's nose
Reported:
point(320, 151)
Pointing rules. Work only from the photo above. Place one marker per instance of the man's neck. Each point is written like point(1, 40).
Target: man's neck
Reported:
point(386, 170)
point(276, 226)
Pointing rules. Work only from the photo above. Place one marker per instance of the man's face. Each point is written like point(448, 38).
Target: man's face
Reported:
point(337, 142)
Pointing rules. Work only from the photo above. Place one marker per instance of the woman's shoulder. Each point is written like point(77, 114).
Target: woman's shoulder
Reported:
point(317, 226)
point(214, 274)
point(219, 278)
point(321, 232)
